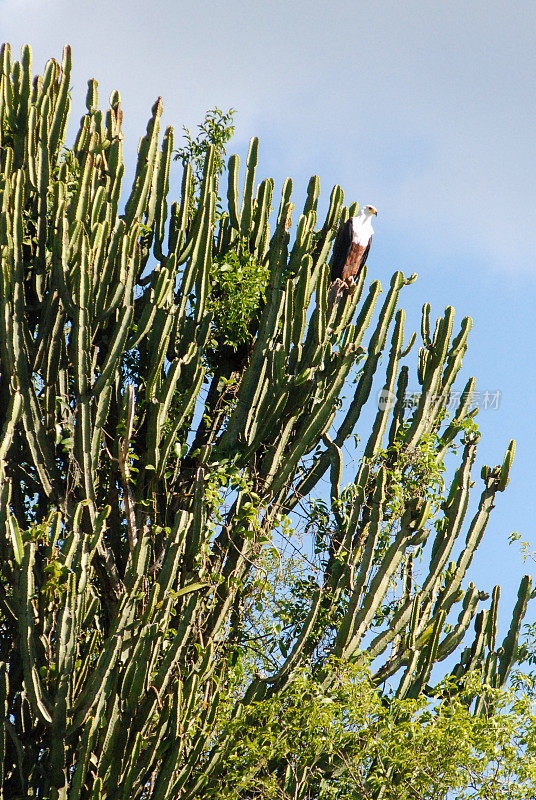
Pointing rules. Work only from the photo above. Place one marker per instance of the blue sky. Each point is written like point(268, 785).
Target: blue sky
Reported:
point(425, 109)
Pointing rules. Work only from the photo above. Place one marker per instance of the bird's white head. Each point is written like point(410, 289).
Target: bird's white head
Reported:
point(362, 226)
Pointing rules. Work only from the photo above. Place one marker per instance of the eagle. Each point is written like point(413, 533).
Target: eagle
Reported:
point(352, 247)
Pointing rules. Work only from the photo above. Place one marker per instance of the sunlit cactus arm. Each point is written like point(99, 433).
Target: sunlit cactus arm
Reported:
point(382, 417)
point(80, 355)
point(398, 408)
point(31, 415)
point(302, 243)
point(66, 654)
point(297, 315)
point(24, 106)
point(116, 348)
point(159, 413)
point(98, 685)
point(131, 772)
point(182, 412)
point(315, 342)
point(327, 234)
point(195, 273)
point(462, 412)
point(455, 637)
point(354, 543)
point(478, 647)
point(84, 752)
point(202, 257)
point(159, 194)
point(232, 192)
point(508, 649)
point(375, 593)
point(364, 385)
point(455, 508)
point(262, 212)
point(313, 428)
point(147, 151)
point(50, 323)
point(41, 704)
point(266, 335)
point(440, 554)
point(5, 85)
point(504, 473)
point(12, 416)
point(433, 359)
point(493, 617)
point(178, 222)
point(348, 627)
point(473, 539)
point(408, 676)
point(247, 202)
point(313, 193)
point(427, 658)
point(455, 356)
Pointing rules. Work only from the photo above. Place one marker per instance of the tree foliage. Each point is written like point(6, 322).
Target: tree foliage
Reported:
point(200, 597)
point(212, 136)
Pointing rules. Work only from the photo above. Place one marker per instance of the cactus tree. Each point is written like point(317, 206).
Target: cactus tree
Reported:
point(170, 396)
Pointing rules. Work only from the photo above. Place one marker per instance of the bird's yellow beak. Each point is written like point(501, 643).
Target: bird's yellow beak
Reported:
point(373, 211)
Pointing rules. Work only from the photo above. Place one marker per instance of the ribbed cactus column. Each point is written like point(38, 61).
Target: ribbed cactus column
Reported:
point(148, 459)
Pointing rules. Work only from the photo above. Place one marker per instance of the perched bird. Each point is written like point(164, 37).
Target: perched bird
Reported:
point(352, 247)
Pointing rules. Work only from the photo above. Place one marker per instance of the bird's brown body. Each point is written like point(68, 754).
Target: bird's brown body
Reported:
point(355, 261)
point(351, 248)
